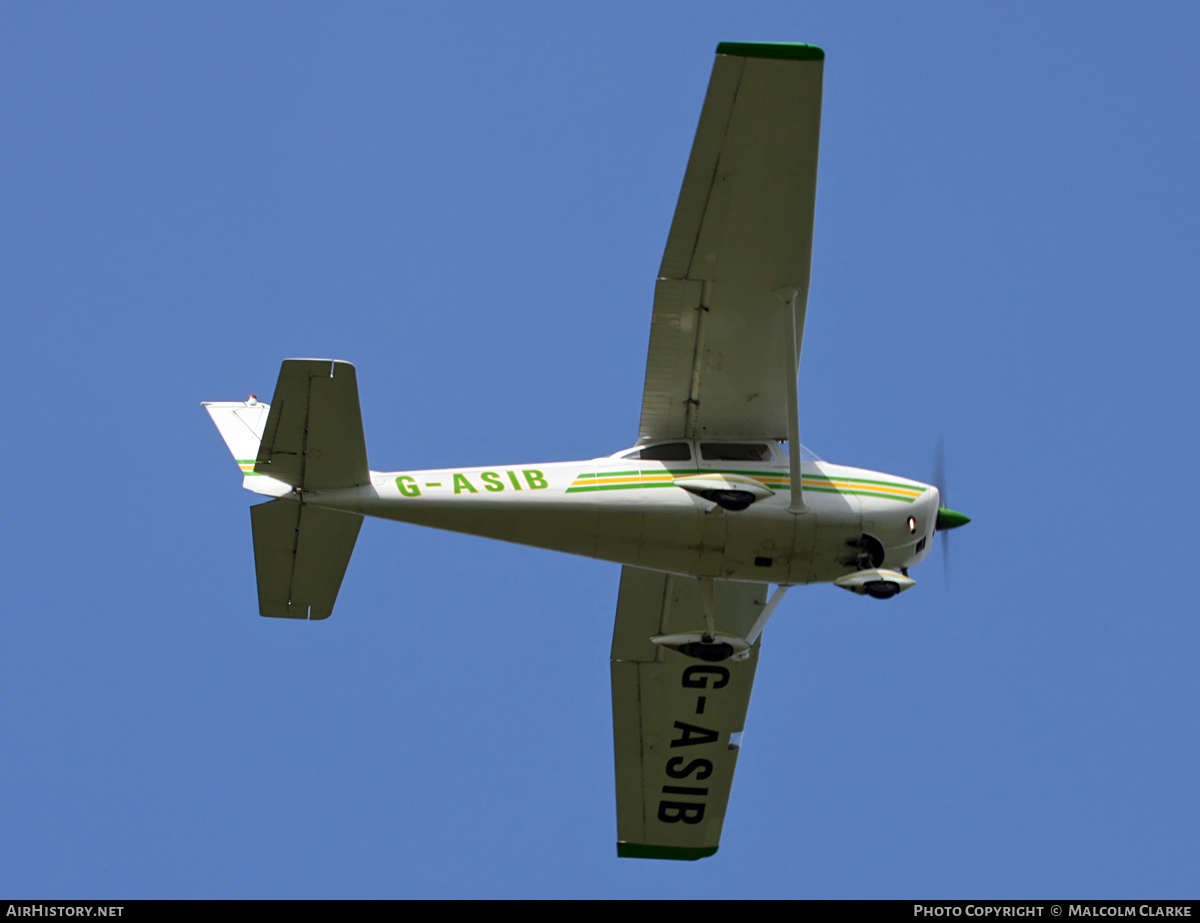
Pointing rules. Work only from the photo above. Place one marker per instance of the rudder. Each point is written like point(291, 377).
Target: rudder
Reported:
point(241, 425)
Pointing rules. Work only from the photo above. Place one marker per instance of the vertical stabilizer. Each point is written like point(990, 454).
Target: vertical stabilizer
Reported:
point(241, 425)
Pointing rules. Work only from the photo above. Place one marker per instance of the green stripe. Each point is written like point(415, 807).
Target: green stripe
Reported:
point(814, 477)
point(864, 492)
point(642, 851)
point(621, 474)
point(760, 474)
point(825, 477)
point(753, 474)
point(860, 487)
point(609, 474)
point(860, 493)
point(787, 51)
point(576, 490)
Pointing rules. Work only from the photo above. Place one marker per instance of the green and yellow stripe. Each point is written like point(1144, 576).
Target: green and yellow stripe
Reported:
point(862, 487)
point(624, 480)
point(640, 480)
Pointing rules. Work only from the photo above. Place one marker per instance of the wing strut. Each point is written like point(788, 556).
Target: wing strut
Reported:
point(768, 610)
point(796, 504)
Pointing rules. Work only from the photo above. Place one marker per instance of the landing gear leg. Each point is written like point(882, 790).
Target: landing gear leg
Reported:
point(710, 612)
point(704, 645)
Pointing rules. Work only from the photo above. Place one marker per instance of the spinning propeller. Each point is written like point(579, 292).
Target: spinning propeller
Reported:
point(947, 518)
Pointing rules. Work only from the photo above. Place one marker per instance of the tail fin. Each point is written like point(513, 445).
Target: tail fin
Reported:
point(241, 425)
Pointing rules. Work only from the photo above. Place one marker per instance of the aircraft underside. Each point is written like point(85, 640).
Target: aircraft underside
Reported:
point(705, 514)
point(670, 530)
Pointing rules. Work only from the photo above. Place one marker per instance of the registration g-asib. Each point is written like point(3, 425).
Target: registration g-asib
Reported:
point(706, 513)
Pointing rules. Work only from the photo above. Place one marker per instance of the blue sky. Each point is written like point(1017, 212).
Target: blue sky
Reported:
point(470, 202)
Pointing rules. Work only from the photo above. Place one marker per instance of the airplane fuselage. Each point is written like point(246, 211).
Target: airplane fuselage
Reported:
point(634, 512)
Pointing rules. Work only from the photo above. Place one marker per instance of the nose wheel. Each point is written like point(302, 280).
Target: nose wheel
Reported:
point(875, 582)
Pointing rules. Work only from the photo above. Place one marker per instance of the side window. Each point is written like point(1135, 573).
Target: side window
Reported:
point(667, 451)
point(735, 451)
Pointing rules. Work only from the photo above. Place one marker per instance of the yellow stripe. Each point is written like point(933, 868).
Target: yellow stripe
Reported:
point(861, 488)
point(769, 481)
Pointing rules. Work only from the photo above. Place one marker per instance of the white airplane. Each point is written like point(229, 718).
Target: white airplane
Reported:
point(705, 513)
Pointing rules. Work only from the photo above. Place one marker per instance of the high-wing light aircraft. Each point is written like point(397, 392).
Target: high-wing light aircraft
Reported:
point(705, 513)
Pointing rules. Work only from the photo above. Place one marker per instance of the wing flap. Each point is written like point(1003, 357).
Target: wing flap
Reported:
point(672, 352)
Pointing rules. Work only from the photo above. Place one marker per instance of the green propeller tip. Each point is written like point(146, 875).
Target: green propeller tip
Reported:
point(950, 519)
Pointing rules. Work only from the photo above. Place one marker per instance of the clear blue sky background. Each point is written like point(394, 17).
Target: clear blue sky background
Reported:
point(470, 202)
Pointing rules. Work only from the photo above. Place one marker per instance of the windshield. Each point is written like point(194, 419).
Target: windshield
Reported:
point(808, 455)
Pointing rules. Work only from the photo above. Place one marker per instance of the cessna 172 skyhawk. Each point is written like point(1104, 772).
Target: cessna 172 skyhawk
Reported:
point(704, 513)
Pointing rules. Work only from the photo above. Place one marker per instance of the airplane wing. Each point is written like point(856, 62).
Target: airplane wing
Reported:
point(739, 251)
point(677, 721)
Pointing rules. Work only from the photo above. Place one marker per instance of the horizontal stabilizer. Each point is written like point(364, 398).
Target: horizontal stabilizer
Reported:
point(314, 434)
point(301, 553)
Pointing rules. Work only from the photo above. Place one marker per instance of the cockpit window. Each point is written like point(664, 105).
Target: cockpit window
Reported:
point(808, 455)
point(667, 451)
point(735, 451)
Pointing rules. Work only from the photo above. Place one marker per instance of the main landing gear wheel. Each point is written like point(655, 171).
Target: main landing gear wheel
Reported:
point(704, 646)
point(733, 500)
point(708, 649)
